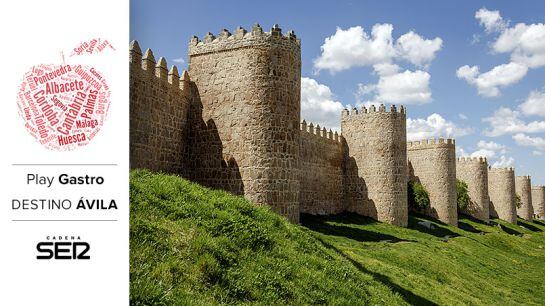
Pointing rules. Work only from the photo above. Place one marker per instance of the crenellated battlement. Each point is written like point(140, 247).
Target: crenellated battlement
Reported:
point(501, 169)
point(373, 109)
point(158, 68)
point(243, 39)
point(320, 132)
point(525, 177)
point(466, 159)
point(430, 143)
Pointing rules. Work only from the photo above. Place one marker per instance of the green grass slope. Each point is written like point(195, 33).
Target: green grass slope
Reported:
point(192, 245)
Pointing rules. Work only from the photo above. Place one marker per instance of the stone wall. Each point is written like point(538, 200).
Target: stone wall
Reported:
point(376, 182)
point(433, 164)
point(538, 201)
point(321, 171)
point(159, 104)
point(523, 188)
point(246, 110)
point(501, 189)
point(474, 172)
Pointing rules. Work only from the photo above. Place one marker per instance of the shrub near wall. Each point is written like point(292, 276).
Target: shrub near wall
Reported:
point(418, 197)
point(462, 195)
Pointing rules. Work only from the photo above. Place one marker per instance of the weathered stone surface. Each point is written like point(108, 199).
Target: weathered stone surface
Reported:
point(501, 189)
point(375, 166)
point(246, 109)
point(433, 164)
point(474, 172)
point(321, 172)
point(158, 115)
point(538, 201)
point(523, 188)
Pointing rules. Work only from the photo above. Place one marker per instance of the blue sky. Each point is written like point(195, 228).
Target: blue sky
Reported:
point(494, 106)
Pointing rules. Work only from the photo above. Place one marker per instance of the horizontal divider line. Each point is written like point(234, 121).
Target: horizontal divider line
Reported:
point(62, 220)
point(64, 164)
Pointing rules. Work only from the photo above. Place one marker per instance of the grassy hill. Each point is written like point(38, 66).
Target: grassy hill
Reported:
point(193, 245)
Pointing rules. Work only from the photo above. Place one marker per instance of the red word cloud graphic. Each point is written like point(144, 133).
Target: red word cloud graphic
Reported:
point(63, 106)
point(92, 46)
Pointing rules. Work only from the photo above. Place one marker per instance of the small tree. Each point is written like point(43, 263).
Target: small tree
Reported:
point(418, 197)
point(463, 198)
point(518, 201)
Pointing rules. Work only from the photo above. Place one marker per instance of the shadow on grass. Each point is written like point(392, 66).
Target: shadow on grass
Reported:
point(430, 226)
point(506, 229)
point(539, 222)
point(472, 219)
point(527, 225)
point(468, 227)
point(333, 225)
point(407, 295)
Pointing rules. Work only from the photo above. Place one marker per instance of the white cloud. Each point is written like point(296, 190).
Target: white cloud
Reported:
point(433, 126)
point(490, 145)
point(318, 104)
point(507, 121)
point(417, 50)
point(488, 83)
point(525, 42)
point(491, 20)
point(462, 116)
point(408, 87)
point(353, 47)
point(488, 149)
point(179, 60)
point(386, 69)
point(534, 104)
point(527, 141)
point(493, 151)
point(503, 162)
point(461, 152)
point(537, 153)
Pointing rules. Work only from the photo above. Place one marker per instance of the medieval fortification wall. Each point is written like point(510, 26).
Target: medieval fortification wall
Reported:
point(321, 171)
point(248, 99)
point(232, 122)
point(377, 163)
point(433, 164)
point(159, 104)
point(501, 189)
point(474, 172)
point(523, 188)
point(538, 201)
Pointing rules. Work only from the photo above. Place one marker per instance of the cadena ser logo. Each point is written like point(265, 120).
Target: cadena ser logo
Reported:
point(63, 247)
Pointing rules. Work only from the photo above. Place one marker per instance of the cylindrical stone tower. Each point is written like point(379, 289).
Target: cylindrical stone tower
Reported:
point(248, 88)
point(523, 188)
point(501, 189)
point(474, 172)
point(538, 201)
point(377, 147)
point(433, 164)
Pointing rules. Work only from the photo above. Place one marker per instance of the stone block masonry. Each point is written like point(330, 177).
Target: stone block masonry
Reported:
point(159, 105)
point(474, 172)
point(523, 188)
point(376, 160)
point(538, 201)
point(321, 171)
point(433, 164)
point(232, 122)
point(501, 189)
point(246, 109)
